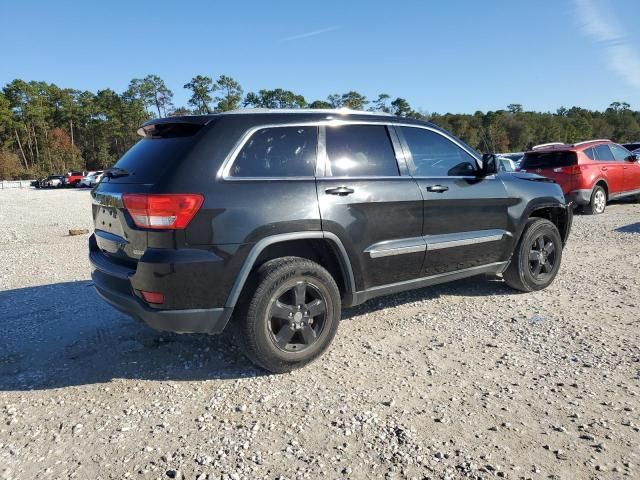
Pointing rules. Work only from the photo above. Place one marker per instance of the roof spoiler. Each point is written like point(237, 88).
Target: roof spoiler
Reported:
point(173, 126)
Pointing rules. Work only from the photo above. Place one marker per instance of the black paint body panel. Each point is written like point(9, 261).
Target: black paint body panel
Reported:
point(202, 266)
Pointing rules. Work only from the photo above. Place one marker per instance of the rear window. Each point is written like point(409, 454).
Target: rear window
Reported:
point(148, 159)
point(549, 159)
point(163, 146)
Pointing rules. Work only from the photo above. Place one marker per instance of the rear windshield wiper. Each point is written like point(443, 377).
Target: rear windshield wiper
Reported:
point(116, 172)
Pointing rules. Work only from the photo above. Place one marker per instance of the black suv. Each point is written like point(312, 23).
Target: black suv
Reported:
point(277, 219)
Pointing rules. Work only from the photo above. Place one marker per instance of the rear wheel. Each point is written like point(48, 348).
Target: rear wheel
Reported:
point(292, 315)
point(598, 201)
point(536, 260)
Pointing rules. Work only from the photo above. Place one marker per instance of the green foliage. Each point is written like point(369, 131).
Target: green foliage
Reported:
point(277, 98)
point(201, 88)
point(152, 92)
point(230, 95)
point(46, 129)
point(320, 104)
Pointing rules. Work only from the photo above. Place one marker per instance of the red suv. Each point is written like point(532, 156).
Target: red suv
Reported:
point(590, 173)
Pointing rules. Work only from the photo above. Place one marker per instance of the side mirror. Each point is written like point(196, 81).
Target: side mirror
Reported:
point(634, 157)
point(489, 165)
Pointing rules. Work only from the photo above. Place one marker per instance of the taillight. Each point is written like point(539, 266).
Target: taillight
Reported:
point(162, 211)
point(152, 297)
point(573, 170)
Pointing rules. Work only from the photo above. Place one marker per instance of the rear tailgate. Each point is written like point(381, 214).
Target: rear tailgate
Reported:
point(164, 147)
point(560, 166)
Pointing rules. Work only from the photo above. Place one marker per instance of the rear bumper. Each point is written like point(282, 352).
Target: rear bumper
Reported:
point(113, 283)
point(579, 197)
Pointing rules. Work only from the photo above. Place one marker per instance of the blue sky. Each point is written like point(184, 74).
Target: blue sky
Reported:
point(454, 56)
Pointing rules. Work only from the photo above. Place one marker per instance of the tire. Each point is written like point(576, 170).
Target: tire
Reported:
point(268, 314)
point(529, 270)
point(598, 201)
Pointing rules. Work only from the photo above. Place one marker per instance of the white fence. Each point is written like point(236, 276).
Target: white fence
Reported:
point(15, 184)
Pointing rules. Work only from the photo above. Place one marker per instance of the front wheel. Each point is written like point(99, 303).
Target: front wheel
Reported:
point(292, 315)
point(536, 260)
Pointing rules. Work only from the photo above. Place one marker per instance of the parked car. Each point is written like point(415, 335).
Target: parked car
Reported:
point(632, 146)
point(95, 178)
point(72, 179)
point(53, 181)
point(590, 173)
point(505, 164)
point(515, 157)
point(89, 180)
point(281, 218)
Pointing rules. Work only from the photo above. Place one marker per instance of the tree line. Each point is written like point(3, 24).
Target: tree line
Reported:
point(47, 129)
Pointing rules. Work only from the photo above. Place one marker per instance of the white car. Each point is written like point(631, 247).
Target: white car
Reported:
point(505, 164)
point(89, 180)
point(95, 179)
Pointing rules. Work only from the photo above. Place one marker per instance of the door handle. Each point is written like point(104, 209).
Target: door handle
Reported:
point(342, 191)
point(604, 169)
point(437, 188)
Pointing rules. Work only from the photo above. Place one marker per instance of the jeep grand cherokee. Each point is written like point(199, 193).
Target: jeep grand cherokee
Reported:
point(272, 221)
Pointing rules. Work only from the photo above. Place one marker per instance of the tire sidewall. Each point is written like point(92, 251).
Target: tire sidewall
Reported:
point(279, 281)
point(594, 210)
point(534, 230)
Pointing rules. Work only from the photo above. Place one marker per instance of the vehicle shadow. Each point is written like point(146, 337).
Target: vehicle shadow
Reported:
point(479, 286)
point(63, 334)
point(631, 228)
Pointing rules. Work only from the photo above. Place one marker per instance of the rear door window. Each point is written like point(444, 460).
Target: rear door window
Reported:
point(278, 152)
point(360, 151)
point(603, 153)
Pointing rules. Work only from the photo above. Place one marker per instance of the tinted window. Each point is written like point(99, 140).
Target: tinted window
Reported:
point(360, 150)
point(548, 159)
point(590, 153)
point(278, 152)
point(150, 158)
point(619, 153)
point(603, 153)
point(437, 156)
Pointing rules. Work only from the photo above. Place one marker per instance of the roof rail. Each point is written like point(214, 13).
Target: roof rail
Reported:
point(591, 141)
point(338, 111)
point(544, 145)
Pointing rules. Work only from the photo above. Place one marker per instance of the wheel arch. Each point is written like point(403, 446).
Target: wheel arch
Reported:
point(560, 215)
point(322, 247)
point(603, 183)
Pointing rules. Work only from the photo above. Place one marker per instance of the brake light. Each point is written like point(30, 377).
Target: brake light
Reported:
point(573, 170)
point(171, 211)
point(152, 297)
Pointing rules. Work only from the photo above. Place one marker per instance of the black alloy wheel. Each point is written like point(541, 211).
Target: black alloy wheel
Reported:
point(297, 317)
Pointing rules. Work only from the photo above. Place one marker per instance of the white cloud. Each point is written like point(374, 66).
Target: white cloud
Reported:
point(310, 34)
point(603, 27)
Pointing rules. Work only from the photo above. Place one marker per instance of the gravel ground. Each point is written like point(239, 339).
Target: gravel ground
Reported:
point(461, 380)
